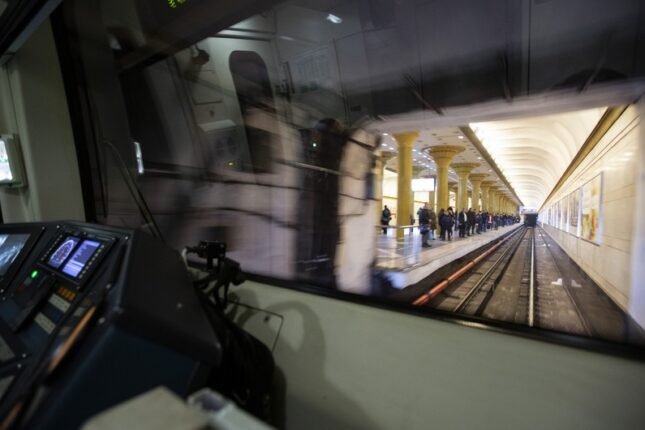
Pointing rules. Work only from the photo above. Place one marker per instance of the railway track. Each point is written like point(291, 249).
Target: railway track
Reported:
point(554, 303)
point(526, 278)
point(472, 291)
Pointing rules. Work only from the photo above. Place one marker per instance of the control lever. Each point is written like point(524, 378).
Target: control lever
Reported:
point(226, 272)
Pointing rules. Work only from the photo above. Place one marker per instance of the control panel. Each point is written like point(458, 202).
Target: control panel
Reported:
point(69, 290)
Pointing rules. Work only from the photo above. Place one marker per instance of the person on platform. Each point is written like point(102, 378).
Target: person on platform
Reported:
point(463, 219)
point(471, 222)
point(443, 223)
point(433, 224)
point(424, 225)
point(386, 217)
point(478, 222)
point(451, 221)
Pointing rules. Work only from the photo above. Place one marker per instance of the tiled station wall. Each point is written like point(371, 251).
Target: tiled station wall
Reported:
point(609, 262)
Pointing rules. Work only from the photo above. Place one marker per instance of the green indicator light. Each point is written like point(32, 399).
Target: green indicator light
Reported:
point(314, 144)
point(34, 274)
point(230, 164)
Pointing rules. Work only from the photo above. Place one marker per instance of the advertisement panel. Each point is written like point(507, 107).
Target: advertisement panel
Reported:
point(591, 207)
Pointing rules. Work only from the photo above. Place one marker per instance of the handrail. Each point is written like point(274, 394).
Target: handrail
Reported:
point(394, 227)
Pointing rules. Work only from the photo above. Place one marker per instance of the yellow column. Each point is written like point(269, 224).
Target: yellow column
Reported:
point(476, 181)
point(454, 188)
point(498, 199)
point(485, 188)
point(463, 171)
point(492, 199)
point(405, 143)
point(443, 155)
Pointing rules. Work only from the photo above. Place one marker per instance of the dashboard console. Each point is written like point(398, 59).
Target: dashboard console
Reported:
point(90, 316)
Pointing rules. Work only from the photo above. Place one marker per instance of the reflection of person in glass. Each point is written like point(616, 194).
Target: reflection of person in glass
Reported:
point(7, 256)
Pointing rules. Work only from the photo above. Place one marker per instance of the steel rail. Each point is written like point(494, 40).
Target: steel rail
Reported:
point(532, 282)
point(439, 287)
point(583, 320)
point(480, 283)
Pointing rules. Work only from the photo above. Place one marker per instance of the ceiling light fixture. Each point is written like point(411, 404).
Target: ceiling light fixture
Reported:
point(334, 19)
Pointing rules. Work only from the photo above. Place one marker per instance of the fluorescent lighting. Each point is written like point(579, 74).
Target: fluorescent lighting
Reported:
point(460, 137)
point(334, 19)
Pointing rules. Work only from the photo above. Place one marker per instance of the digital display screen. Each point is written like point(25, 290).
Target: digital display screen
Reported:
point(5, 166)
point(62, 252)
point(10, 247)
point(80, 258)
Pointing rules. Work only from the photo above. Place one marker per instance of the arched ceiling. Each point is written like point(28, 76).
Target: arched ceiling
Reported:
point(534, 152)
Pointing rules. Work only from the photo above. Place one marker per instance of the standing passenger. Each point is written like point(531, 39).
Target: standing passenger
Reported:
point(386, 216)
point(443, 223)
point(424, 225)
point(471, 222)
point(451, 221)
point(433, 223)
point(463, 218)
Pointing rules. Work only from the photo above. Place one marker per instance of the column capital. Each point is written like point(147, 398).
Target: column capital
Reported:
point(464, 169)
point(487, 184)
point(443, 154)
point(406, 138)
point(477, 177)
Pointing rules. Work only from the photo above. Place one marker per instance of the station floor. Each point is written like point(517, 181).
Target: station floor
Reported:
point(405, 262)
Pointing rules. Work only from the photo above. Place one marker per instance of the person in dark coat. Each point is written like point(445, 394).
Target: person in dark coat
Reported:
point(479, 219)
point(386, 216)
point(443, 223)
point(463, 219)
point(471, 222)
point(451, 221)
point(424, 225)
point(433, 224)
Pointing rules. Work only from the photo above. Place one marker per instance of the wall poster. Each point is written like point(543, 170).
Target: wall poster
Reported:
point(565, 213)
point(574, 212)
point(558, 221)
point(591, 207)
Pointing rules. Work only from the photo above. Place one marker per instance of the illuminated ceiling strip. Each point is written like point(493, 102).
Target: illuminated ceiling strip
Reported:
point(470, 134)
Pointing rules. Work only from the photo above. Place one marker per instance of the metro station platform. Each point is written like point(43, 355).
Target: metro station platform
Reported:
point(404, 263)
